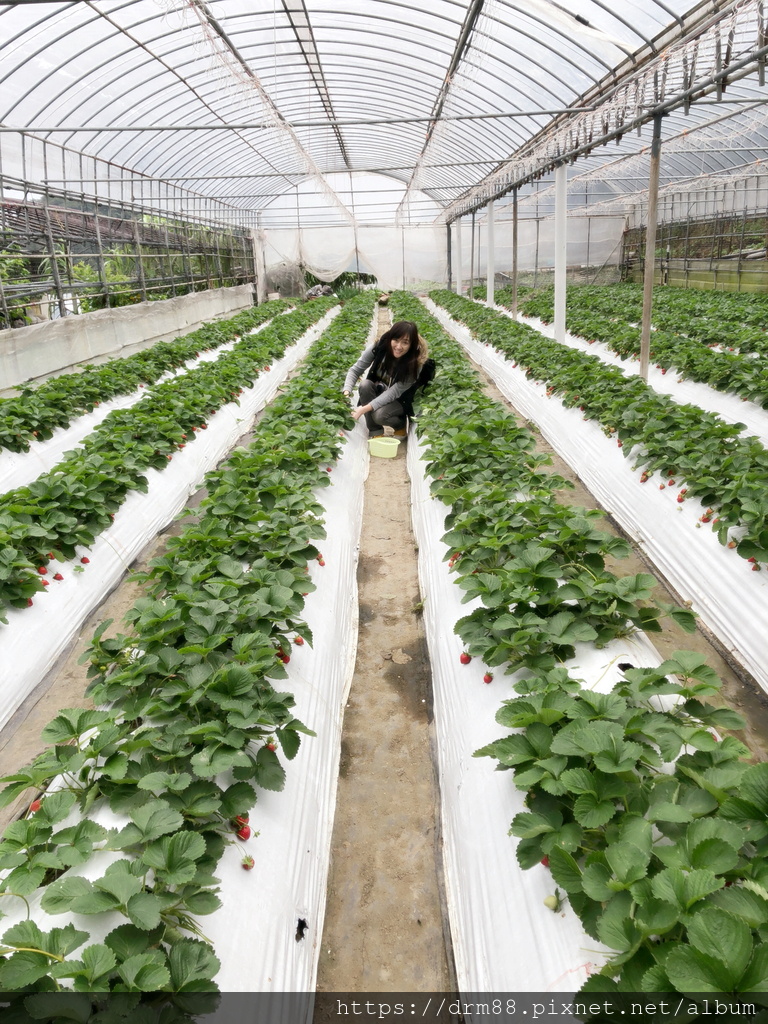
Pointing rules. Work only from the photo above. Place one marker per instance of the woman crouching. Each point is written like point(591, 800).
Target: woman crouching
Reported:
point(394, 363)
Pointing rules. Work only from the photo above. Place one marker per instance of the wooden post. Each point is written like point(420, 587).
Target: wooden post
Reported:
point(514, 252)
point(460, 256)
point(490, 275)
point(448, 256)
point(561, 200)
point(472, 259)
point(650, 248)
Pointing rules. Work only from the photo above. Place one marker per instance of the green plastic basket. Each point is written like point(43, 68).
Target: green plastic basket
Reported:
point(383, 447)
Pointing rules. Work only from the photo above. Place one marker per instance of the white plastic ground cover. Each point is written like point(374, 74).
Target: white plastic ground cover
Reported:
point(254, 932)
point(35, 637)
point(685, 392)
point(731, 600)
point(18, 469)
point(504, 938)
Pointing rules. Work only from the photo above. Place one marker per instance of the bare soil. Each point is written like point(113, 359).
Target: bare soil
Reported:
point(385, 919)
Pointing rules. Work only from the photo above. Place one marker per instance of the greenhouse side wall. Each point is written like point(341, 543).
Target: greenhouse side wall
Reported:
point(55, 346)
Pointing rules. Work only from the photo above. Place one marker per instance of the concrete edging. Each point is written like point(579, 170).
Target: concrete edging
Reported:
point(58, 346)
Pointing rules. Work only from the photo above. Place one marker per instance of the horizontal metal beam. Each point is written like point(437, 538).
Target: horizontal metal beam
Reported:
point(695, 94)
point(292, 124)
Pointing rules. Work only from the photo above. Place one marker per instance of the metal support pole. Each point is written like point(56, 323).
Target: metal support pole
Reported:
point(514, 253)
point(448, 256)
point(102, 264)
point(650, 248)
point(139, 263)
point(460, 256)
point(54, 264)
point(490, 280)
point(472, 259)
point(561, 200)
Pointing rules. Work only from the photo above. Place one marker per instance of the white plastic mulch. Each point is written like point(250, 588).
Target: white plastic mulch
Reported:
point(35, 638)
point(19, 469)
point(255, 931)
point(722, 589)
point(725, 404)
point(504, 938)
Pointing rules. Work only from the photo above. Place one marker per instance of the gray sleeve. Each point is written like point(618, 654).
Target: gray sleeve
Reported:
point(354, 372)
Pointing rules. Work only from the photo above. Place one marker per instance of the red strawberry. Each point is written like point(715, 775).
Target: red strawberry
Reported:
point(661, 487)
point(243, 819)
point(248, 862)
point(46, 583)
point(464, 658)
point(305, 595)
point(85, 560)
point(244, 832)
point(755, 568)
point(285, 659)
point(487, 678)
point(680, 499)
point(29, 602)
point(321, 562)
point(671, 483)
point(328, 470)
point(34, 806)
point(731, 543)
point(50, 554)
point(170, 457)
point(267, 368)
point(58, 576)
point(752, 559)
point(545, 861)
point(299, 641)
point(42, 570)
point(203, 426)
point(620, 444)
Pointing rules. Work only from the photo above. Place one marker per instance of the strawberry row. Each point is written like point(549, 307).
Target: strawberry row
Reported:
point(37, 411)
point(690, 359)
point(194, 722)
point(74, 502)
point(730, 320)
point(513, 543)
point(595, 766)
point(727, 472)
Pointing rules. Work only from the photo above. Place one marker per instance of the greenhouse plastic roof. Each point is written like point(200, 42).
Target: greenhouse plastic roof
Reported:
point(317, 109)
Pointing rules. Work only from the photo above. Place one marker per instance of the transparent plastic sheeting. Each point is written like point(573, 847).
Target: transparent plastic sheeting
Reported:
point(19, 469)
point(57, 615)
point(722, 589)
point(729, 406)
point(504, 938)
point(254, 931)
point(398, 256)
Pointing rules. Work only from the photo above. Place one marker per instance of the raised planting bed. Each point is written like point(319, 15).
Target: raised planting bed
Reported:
point(649, 820)
point(151, 795)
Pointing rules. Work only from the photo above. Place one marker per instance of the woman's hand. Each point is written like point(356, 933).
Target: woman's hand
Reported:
point(361, 410)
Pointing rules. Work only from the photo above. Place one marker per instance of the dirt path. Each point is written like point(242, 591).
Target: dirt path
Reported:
point(384, 917)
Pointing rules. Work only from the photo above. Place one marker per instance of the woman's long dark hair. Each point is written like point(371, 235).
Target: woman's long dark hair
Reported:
point(407, 366)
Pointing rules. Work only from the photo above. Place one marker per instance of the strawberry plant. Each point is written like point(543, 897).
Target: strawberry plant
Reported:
point(600, 315)
point(189, 734)
point(76, 500)
point(654, 828)
point(40, 409)
point(728, 473)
